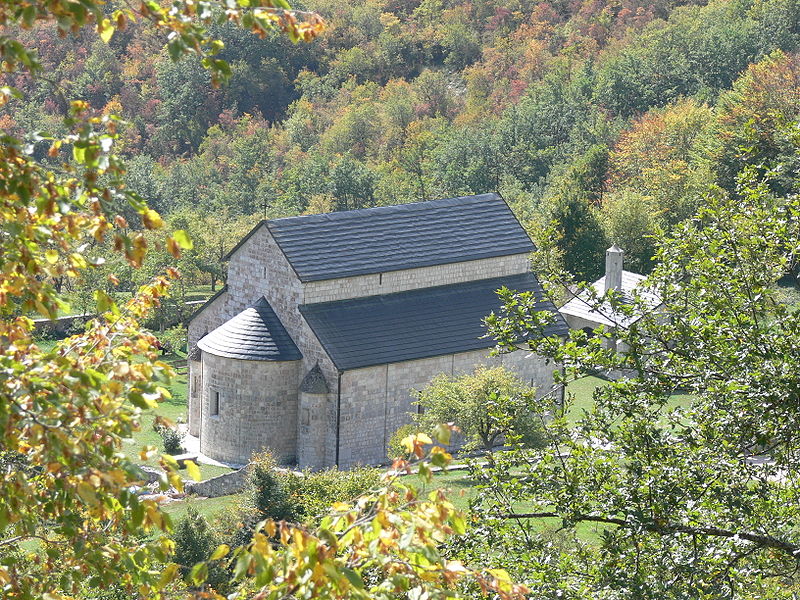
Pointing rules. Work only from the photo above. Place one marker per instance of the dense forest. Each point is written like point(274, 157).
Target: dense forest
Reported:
point(598, 121)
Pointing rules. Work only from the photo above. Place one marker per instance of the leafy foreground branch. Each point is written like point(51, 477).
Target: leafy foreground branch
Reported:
point(688, 463)
point(71, 522)
point(385, 543)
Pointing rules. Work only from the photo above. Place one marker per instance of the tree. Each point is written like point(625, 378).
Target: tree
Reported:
point(194, 542)
point(486, 406)
point(580, 239)
point(695, 500)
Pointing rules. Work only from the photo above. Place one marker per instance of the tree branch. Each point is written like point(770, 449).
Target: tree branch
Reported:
point(766, 541)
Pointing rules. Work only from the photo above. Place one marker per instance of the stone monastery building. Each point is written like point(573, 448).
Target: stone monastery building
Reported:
point(328, 322)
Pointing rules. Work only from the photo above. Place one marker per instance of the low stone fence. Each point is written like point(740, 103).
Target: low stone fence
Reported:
point(59, 326)
point(222, 485)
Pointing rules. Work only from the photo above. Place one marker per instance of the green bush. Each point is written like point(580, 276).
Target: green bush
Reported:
point(171, 437)
point(267, 492)
point(173, 339)
point(313, 493)
point(299, 497)
point(489, 406)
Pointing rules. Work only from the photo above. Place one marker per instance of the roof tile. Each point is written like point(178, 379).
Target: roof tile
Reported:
point(256, 333)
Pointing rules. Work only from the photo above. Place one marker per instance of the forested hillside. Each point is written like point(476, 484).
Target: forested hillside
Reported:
point(610, 119)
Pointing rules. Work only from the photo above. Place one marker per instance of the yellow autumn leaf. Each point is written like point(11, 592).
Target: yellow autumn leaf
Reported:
point(193, 470)
point(106, 30)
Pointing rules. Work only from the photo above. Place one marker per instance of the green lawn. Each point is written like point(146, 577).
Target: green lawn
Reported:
point(208, 507)
point(788, 291)
point(461, 489)
point(583, 390)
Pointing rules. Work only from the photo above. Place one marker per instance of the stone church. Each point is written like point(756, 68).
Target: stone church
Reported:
point(329, 322)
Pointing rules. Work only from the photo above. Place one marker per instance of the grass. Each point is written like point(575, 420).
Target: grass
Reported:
point(174, 409)
point(788, 291)
point(208, 507)
point(462, 487)
point(582, 390)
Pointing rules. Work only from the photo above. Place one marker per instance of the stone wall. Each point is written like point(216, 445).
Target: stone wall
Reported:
point(259, 268)
point(376, 401)
point(212, 316)
point(411, 279)
point(195, 391)
point(221, 485)
point(257, 409)
point(312, 426)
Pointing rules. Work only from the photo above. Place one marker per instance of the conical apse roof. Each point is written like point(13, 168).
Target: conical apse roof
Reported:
point(256, 333)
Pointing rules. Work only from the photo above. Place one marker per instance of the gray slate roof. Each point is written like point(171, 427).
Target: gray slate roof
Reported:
point(416, 324)
point(390, 238)
point(256, 333)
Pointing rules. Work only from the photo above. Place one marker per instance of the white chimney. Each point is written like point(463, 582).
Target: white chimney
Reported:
point(614, 256)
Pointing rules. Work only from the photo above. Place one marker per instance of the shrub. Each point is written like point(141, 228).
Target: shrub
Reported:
point(173, 339)
point(283, 495)
point(488, 406)
point(77, 326)
point(266, 490)
point(171, 437)
point(313, 493)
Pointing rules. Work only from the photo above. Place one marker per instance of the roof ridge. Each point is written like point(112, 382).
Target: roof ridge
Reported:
point(389, 208)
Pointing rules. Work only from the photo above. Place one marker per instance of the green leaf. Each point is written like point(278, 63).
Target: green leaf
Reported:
point(106, 30)
point(199, 573)
point(167, 575)
point(458, 524)
point(353, 577)
point(221, 551)
point(442, 433)
point(104, 301)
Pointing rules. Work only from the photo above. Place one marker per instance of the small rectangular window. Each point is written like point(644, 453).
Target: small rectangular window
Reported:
point(214, 403)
